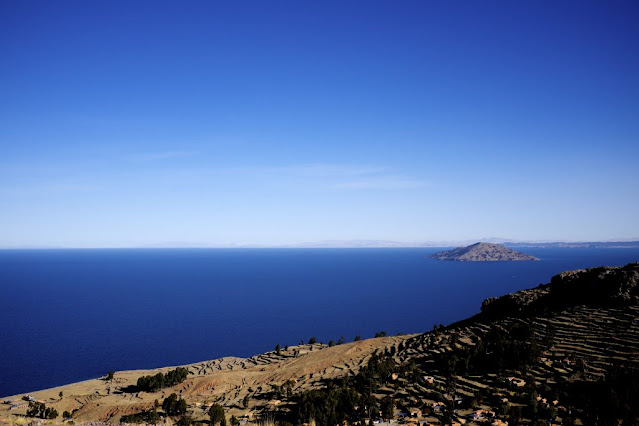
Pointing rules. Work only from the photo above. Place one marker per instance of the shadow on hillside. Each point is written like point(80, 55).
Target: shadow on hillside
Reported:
point(127, 389)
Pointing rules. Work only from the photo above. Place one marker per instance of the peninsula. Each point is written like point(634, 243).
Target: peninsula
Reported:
point(482, 252)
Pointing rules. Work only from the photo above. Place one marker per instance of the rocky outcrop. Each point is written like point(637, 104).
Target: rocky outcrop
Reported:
point(482, 252)
point(607, 285)
point(601, 286)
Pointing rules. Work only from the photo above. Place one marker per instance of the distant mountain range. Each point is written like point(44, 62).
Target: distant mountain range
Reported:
point(594, 244)
point(509, 243)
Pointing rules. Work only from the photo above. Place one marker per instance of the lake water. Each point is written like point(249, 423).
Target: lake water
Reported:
point(70, 315)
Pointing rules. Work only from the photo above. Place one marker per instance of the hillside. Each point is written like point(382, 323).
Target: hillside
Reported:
point(566, 352)
point(225, 381)
point(482, 252)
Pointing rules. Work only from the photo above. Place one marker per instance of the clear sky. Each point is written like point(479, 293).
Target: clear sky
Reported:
point(143, 123)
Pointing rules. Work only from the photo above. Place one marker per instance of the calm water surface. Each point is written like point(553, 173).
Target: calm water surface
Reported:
point(70, 315)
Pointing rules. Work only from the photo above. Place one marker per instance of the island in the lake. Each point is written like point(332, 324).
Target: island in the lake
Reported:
point(482, 252)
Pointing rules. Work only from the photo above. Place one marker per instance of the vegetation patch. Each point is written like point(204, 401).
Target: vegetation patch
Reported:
point(160, 381)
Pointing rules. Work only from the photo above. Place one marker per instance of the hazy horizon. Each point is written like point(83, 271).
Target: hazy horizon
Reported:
point(137, 124)
point(360, 243)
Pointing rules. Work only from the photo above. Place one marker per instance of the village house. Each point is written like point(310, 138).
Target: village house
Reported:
point(481, 415)
point(438, 406)
point(515, 381)
point(415, 412)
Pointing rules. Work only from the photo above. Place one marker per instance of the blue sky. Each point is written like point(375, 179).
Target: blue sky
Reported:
point(153, 123)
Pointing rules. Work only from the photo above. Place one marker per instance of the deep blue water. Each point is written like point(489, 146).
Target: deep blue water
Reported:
point(70, 315)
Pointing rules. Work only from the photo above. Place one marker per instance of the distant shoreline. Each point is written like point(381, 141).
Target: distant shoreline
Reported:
point(348, 245)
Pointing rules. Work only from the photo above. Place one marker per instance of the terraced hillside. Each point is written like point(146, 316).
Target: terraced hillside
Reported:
point(520, 370)
point(564, 353)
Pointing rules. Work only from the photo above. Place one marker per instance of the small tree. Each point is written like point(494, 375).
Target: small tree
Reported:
point(216, 413)
point(154, 416)
point(312, 340)
point(357, 338)
point(110, 375)
point(38, 409)
point(331, 343)
point(174, 406)
point(50, 413)
point(66, 415)
point(387, 406)
point(289, 388)
point(185, 421)
point(278, 349)
point(35, 409)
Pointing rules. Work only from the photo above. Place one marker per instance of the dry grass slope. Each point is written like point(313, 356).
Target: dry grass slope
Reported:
point(225, 381)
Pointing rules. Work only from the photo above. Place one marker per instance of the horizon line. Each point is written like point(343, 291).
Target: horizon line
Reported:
point(322, 244)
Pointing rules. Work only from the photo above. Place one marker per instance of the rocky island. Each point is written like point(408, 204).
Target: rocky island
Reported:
point(482, 252)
